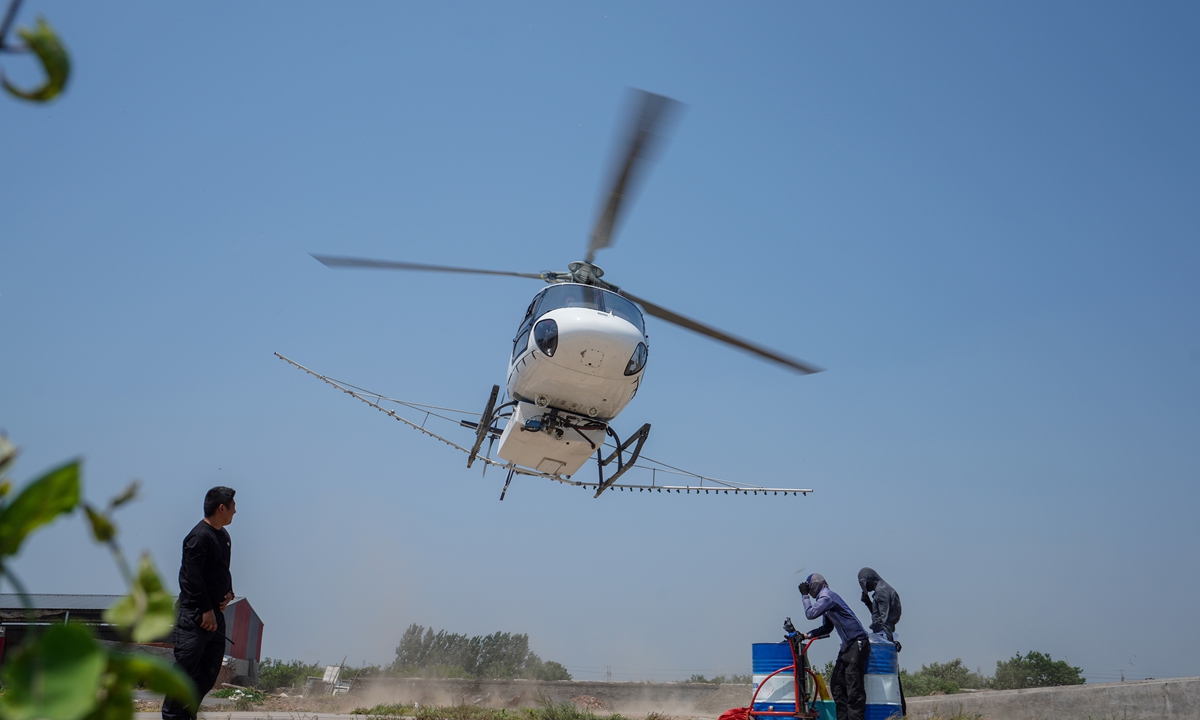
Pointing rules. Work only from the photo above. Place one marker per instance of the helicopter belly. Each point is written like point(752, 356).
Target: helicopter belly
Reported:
point(551, 449)
point(558, 387)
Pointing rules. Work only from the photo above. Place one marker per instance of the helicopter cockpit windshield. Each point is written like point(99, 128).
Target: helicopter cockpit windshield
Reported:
point(570, 295)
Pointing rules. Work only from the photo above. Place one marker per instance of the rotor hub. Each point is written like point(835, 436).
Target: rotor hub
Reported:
point(586, 273)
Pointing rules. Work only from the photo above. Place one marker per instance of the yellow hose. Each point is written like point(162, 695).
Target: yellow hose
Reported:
point(822, 691)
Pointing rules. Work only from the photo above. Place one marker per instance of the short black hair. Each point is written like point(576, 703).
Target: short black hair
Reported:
point(215, 498)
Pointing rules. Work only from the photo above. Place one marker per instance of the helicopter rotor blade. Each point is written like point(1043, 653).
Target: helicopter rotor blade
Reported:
point(333, 261)
point(673, 317)
point(647, 126)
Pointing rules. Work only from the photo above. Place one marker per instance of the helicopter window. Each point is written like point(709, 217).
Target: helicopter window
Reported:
point(532, 306)
point(570, 295)
point(521, 344)
point(624, 309)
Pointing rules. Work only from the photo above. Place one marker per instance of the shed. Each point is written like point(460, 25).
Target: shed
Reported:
point(243, 627)
point(16, 621)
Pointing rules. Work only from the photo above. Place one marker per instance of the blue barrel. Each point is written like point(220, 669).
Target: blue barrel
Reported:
point(882, 681)
point(778, 693)
point(768, 657)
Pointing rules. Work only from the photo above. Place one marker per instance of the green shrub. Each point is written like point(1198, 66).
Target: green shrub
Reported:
point(1035, 670)
point(390, 710)
point(561, 711)
point(274, 673)
point(237, 694)
point(460, 712)
point(948, 678)
point(538, 669)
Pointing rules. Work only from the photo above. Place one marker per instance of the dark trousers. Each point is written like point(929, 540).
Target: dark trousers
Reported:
point(849, 695)
point(198, 653)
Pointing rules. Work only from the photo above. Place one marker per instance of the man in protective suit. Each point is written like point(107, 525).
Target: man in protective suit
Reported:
point(849, 695)
point(885, 611)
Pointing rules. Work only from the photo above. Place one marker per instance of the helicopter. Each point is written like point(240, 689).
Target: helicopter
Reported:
point(578, 357)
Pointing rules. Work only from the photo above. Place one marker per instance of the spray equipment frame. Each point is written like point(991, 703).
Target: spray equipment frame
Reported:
point(801, 671)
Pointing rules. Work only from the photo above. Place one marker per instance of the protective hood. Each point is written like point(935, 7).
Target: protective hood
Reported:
point(868, 579)
point(816, 583)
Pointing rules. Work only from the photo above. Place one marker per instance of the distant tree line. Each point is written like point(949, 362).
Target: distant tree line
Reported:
point(1034, 669)
point(721, 679)
point(424, 653)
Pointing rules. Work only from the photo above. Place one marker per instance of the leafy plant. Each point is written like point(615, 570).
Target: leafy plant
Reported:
point(243, 698)
point(1035, 670)
point(461, 712)
point(63, 673)
point(385, 709)
point(44, 43)
point(549, 710)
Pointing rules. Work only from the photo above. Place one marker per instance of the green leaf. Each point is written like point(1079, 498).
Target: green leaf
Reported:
point(124, 612)
point(158, 619)
point(148, 608)
point(46, 45)
point(156, 674)
point(8, 453)
point(147, 577)
point(103, 528)
point(55, 493)
point(54, 678)
point(126, 495)
point(116, 702)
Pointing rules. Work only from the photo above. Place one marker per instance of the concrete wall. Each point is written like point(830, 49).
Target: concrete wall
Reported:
point(1145, 700)
point(632, 699)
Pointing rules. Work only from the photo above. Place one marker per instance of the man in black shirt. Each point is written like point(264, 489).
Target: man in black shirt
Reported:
point(205, 588)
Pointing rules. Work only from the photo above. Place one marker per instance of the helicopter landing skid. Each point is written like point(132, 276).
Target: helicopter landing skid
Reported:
point(618, 455)
point(485, 422)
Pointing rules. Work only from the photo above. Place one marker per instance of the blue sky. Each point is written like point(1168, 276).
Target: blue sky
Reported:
point(981, 219)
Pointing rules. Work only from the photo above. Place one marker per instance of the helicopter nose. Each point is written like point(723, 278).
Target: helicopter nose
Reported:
point(593, 342)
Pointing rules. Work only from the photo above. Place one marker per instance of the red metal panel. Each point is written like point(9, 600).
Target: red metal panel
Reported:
point(230, 620)
point(241, 630)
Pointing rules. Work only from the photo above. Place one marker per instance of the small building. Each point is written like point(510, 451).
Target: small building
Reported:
point(244, 630)
point(17, 621)
point(243, 627)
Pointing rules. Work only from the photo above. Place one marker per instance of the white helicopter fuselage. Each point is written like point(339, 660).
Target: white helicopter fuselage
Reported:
point(577, 361)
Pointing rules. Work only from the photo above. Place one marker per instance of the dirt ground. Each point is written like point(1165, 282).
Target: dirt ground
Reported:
point(273, 704)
